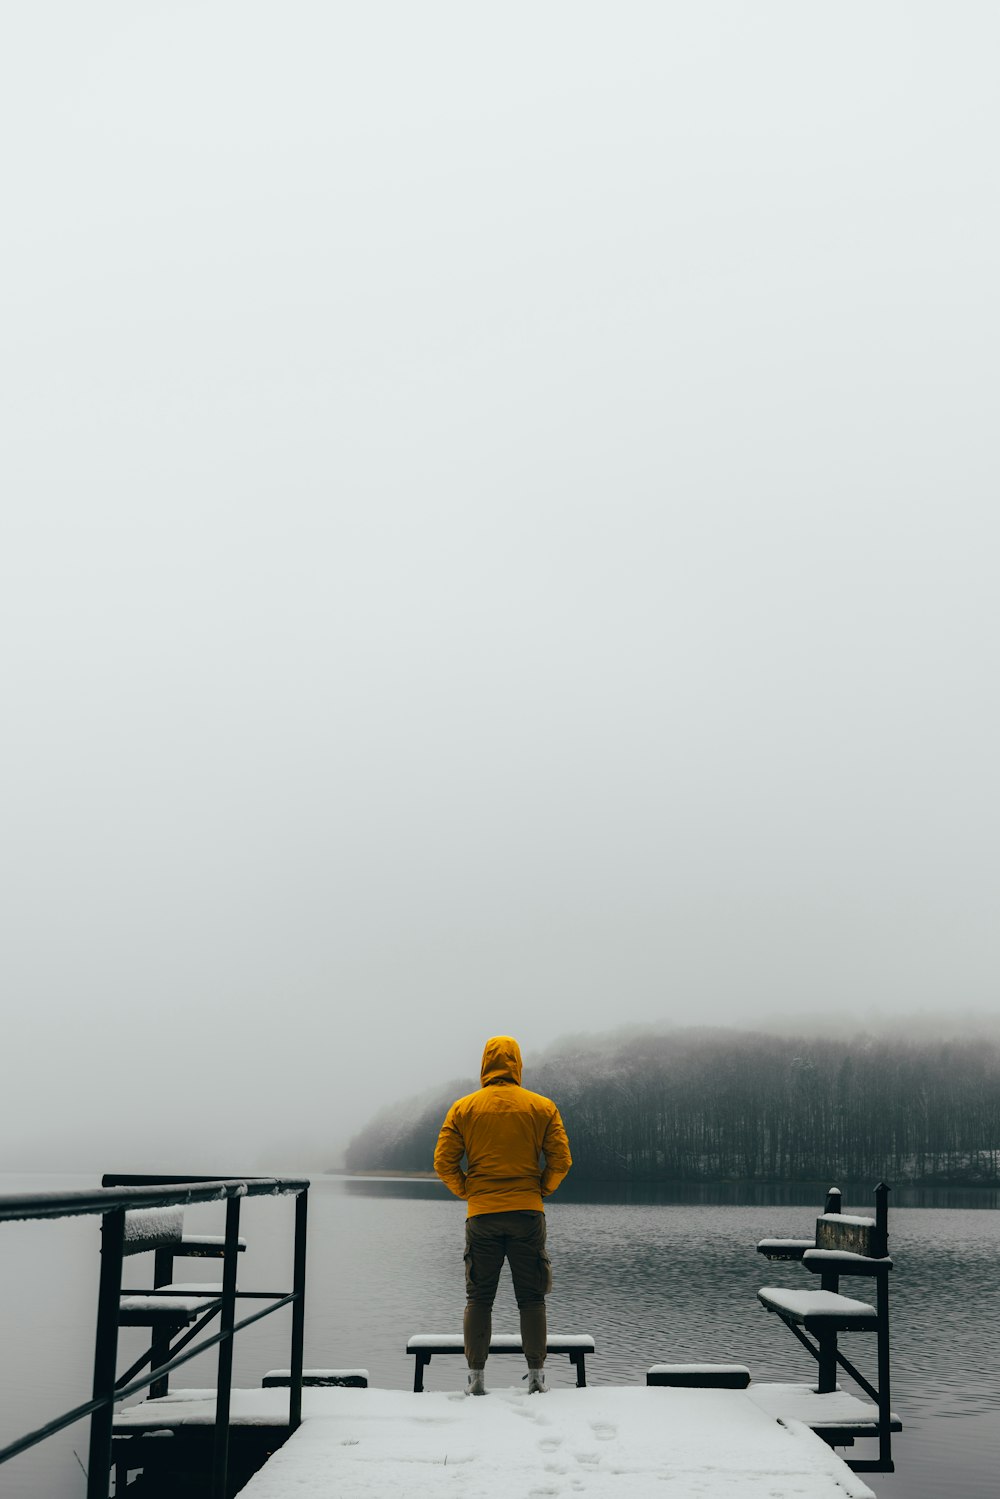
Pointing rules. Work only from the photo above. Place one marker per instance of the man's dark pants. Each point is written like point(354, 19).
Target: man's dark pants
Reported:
point(518, 1238)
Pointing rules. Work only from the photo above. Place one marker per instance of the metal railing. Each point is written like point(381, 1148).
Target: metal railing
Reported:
point(112, 1203)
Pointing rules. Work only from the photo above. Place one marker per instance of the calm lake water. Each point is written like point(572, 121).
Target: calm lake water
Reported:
point(654, 1276)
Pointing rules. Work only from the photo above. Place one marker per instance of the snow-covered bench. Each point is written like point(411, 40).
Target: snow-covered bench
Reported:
point(162, 1230)
point(819, 1311)
point(170, 1305)
point(424, 1345)
point(848, 1245)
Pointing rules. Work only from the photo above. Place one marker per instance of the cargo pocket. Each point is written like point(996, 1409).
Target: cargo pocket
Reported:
point(545, 1273)
point(467, 1257)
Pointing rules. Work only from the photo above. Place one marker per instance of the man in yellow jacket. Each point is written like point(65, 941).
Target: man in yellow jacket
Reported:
point(502, 1131)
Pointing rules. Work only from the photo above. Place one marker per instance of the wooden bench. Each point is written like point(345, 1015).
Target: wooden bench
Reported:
point(424, 1345)
point(843, 1246)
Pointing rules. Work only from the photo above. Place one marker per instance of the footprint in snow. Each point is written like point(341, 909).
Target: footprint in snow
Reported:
point(603, 1431)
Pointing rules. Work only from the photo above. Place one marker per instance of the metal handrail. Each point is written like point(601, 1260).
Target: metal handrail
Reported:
point(111, 1203)
point(24, 1205)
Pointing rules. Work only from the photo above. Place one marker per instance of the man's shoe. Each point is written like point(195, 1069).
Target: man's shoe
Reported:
point(536, 1382)
point(477, 1383)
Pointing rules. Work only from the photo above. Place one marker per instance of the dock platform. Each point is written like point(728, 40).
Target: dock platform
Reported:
point(599, 1442)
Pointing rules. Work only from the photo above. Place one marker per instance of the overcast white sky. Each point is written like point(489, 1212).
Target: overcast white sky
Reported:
point(500, 534)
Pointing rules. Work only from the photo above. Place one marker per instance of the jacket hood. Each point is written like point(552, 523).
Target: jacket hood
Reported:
point(501, 1061)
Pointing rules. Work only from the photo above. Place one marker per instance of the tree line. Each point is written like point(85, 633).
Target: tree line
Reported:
point(721, 1105)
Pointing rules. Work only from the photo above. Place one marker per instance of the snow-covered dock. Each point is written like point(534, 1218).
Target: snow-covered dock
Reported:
point(600, 1442)
point(707, 1429)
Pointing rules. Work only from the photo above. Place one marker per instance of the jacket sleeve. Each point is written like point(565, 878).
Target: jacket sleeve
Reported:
point(557, 1157)
point(448, 1155)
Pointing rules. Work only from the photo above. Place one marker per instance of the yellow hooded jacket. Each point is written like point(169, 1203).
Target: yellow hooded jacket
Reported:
point(501, 1130)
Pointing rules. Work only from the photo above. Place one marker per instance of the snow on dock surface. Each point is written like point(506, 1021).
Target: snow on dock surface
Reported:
point(597, 1442)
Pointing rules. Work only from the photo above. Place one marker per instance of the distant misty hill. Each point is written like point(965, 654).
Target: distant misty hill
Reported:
point(696, 1105)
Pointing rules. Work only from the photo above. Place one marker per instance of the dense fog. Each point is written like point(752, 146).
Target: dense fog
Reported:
point(499, 534)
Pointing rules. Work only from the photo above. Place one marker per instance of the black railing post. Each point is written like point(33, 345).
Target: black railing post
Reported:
point(106, 1352)
point(163, 1273)
point(227, 1318)
point(827, 1380)
point(298, 1312)
point(880, 1248)
point(884, 1401)
point(827, 1339)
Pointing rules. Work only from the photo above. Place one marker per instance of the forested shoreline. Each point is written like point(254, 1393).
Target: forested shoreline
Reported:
point(698, 1105)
